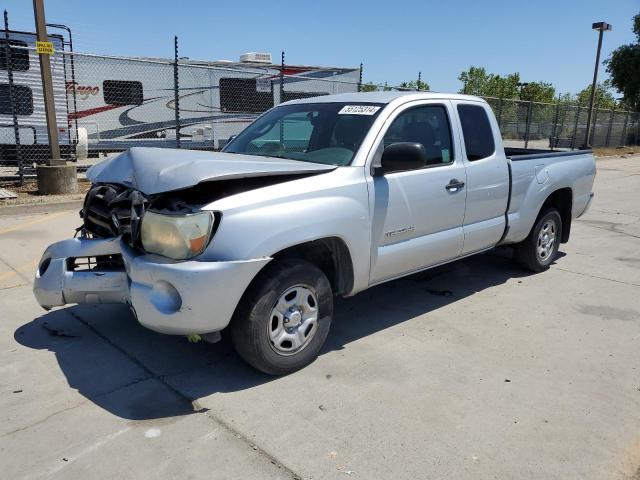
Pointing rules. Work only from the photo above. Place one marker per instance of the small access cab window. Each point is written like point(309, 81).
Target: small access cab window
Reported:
point(122, 92)
point(22, 99)
point(19, 56)
point(477, 132)
point(428, 125)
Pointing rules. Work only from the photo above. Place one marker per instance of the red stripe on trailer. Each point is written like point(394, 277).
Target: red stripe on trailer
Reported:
point(91, 111)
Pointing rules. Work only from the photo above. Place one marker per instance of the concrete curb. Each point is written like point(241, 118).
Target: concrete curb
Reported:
point(38, 208)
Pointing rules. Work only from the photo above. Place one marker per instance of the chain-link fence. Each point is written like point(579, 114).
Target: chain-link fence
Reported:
point(106, 104)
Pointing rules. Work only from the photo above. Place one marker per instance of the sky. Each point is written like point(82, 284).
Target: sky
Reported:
point(544, 40)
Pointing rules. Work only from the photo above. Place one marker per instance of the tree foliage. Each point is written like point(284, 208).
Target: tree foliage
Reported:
point(415, 85)
point(624, 67)
point(603, 98)
point(476, 81)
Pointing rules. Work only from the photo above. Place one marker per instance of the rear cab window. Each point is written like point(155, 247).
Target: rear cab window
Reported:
point(476, 131)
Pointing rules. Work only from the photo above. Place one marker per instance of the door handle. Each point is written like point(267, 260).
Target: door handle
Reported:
point(454, 185)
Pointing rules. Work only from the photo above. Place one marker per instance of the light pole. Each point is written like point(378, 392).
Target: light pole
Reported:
point(601, 27)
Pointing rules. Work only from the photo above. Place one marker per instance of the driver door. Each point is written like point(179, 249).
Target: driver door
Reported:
point(418, 214)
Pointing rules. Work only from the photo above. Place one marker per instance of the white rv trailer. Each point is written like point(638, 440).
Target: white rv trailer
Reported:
point(119, 102)
point(28, 100)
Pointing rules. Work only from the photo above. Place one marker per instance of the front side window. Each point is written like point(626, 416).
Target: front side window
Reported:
point(122, 92)
point(428, 125)
point(19, 56)
point(22, 99)
point(477, 132)
point(329, 133)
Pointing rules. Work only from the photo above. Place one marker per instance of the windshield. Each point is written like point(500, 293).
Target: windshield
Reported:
point(329, 133)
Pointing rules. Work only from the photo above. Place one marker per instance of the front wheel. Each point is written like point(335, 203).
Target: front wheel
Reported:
point(283, 319)
point(540, 248)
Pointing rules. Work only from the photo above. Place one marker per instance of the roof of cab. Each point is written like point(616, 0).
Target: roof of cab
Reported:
point(385, 97)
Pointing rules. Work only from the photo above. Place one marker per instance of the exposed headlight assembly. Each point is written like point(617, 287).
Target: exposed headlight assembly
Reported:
point(176, 236)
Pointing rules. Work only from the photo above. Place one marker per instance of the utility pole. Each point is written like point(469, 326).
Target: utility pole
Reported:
point(47, 86)
point(601, 27)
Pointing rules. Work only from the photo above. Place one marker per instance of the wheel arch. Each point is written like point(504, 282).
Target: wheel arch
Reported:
point(329, 254)
point(562, 200)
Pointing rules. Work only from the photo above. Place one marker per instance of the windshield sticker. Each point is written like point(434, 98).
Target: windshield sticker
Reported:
point(358, 110)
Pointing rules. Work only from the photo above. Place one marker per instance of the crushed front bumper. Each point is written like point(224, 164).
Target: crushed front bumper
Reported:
point(181, 298)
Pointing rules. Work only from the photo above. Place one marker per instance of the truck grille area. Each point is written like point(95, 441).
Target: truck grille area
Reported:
point(100, 263)
point(113, 210)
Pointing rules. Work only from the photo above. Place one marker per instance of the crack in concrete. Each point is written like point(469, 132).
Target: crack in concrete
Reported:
point(15, 270)
point(42, 420)
point(197, 408)
point(555, 267)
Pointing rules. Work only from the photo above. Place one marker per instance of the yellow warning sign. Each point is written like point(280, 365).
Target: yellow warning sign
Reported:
point(45, 48)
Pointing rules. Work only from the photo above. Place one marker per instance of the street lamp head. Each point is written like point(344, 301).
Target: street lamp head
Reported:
point(602, 26)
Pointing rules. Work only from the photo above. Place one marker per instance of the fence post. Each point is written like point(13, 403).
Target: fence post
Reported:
point(623, 140)
point(613, 112)
point(176, 96)
point(499, 115)
point(528, 127)
point(594, 125)
point(554, 130)
point(282, 77)
point(360, 79)
point(575, 129)
point(16, 129)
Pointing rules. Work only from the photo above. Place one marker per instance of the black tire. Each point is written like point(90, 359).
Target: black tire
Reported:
point(527, 253)
point(251, 321)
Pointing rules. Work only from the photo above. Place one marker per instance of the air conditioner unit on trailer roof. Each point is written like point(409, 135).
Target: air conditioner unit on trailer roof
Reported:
point(255, 57)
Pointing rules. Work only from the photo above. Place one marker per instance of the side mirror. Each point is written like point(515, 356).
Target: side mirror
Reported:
point(402, 156)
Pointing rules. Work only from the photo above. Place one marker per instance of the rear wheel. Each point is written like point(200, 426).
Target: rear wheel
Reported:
point(540, 248)
point(284, 317)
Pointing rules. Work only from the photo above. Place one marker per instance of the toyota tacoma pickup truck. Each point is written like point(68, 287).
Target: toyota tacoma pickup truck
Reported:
point(317, 198)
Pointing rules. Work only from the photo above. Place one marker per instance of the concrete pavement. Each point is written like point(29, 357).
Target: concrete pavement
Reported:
point(474, 370)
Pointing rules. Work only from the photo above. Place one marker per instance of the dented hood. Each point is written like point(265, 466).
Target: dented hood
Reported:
point(157, 170)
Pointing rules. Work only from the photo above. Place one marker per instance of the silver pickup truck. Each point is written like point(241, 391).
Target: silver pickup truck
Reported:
point(318, 197)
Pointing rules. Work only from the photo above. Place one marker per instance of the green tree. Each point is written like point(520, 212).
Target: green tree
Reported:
point(368, 87)
point(476, 81)
point(415, 85)
point(538, 92)
point(624, 67)
point(603, 98)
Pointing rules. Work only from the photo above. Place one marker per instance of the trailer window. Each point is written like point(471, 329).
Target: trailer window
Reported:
point(243, 95)
point(122, 92)
point(477, 132)
point(19, 55)
point(22, 99)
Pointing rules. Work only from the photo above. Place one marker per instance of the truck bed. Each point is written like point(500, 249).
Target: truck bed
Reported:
point(514, 153)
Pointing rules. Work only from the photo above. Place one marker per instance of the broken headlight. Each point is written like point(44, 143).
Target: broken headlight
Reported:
point(176, 236)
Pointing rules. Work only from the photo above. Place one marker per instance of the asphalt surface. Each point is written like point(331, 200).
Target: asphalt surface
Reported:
point(476, 370)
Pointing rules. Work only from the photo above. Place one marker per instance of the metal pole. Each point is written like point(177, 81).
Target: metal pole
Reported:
point(360, 79)
point(595, 124)
point(176, 96)
point(281, 97)
point(575, 128)
point(623, 139)
point(500, 106)
point(47, 86)
point(593, 89)
point(528, 127)
point(554, 130)
point(16, 129)
point(419, 81)
point(613, 112)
